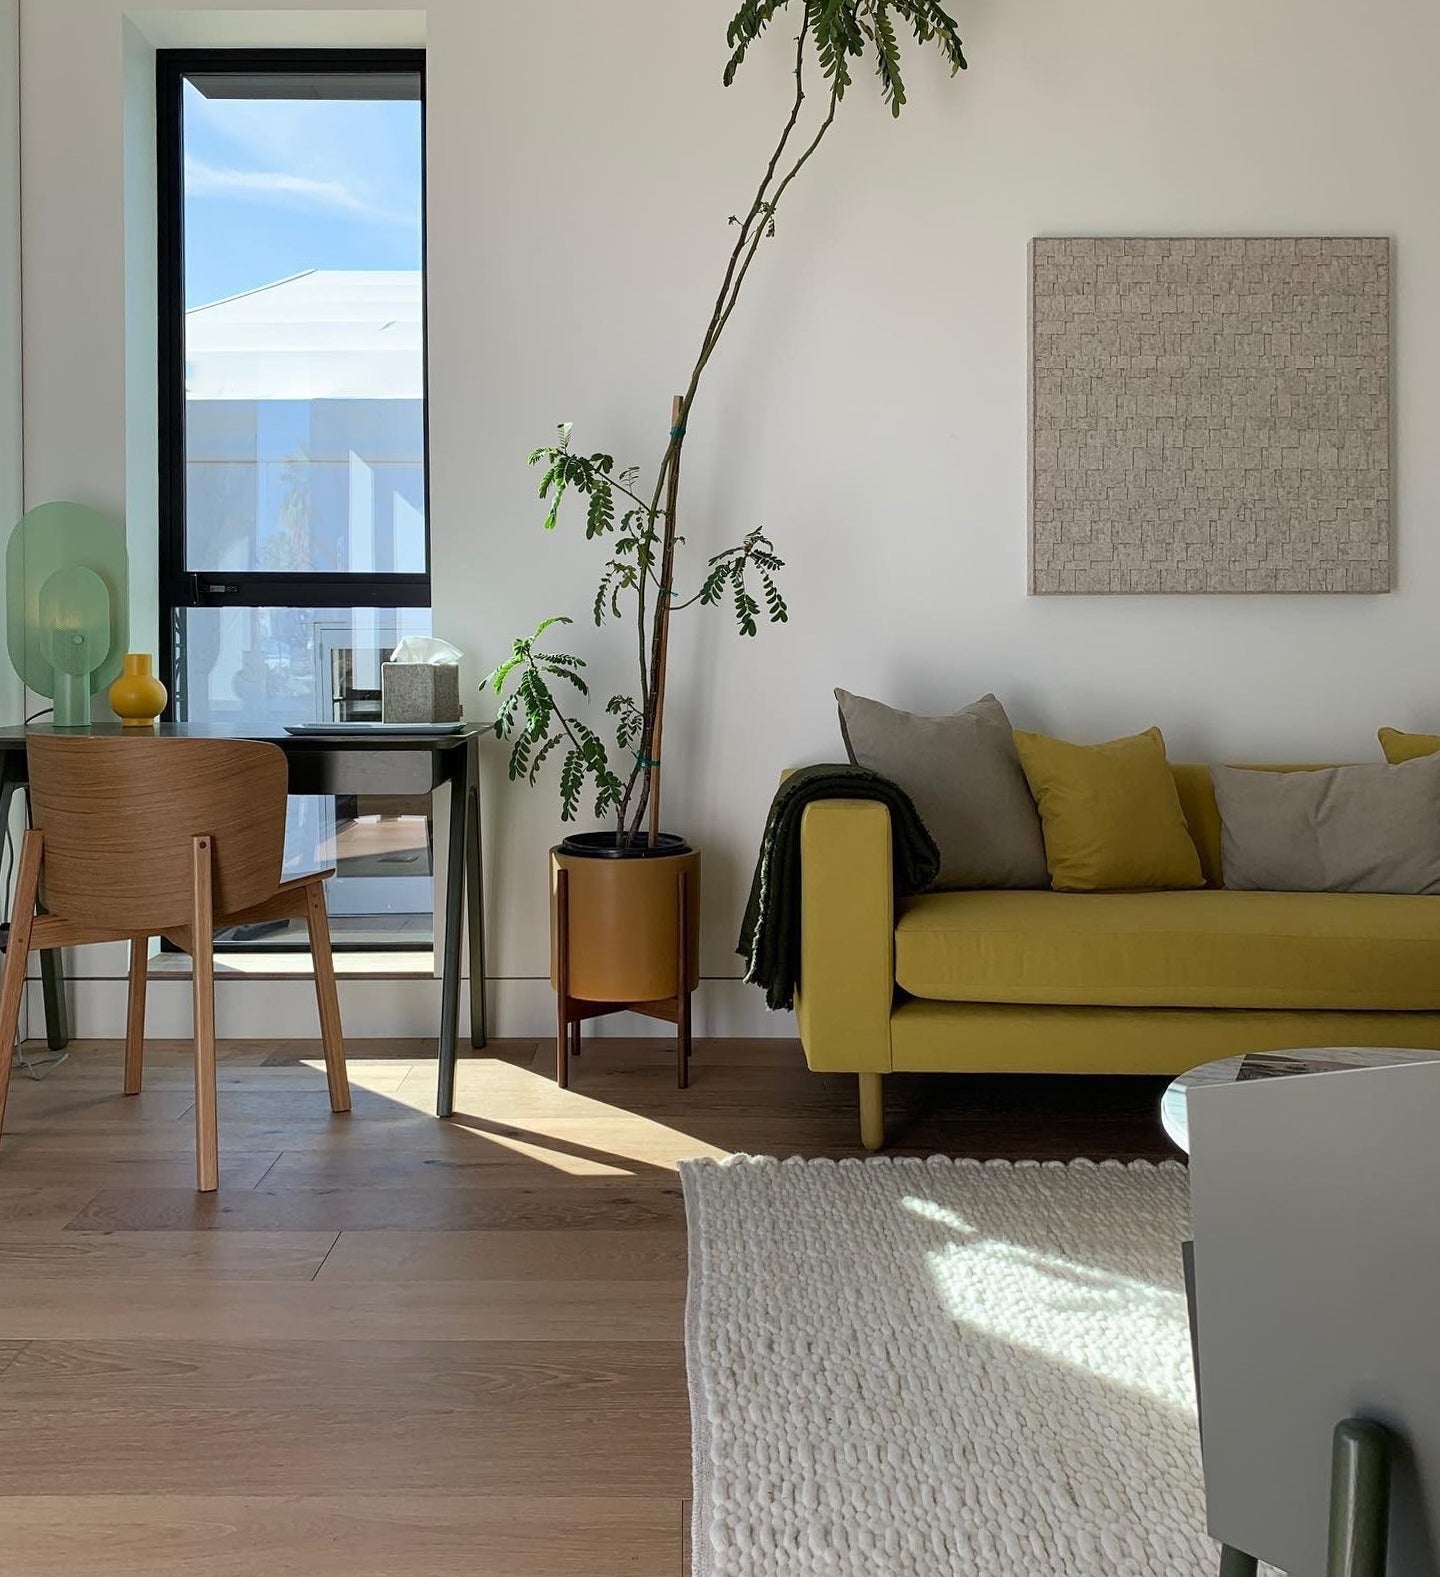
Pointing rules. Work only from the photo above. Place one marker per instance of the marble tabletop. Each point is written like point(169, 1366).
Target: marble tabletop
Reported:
point(1274, 1065)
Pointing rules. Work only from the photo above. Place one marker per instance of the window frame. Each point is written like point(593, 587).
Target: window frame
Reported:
point(181, 588)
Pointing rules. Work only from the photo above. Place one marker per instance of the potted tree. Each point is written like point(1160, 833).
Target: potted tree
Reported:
point(625, 900)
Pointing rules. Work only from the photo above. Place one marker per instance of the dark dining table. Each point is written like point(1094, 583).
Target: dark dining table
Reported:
point(353, 763)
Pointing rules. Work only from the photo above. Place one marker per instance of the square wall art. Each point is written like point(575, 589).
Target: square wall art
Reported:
point(1210, 415)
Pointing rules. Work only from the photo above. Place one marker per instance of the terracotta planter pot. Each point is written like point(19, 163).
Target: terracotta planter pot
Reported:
point(624, 934)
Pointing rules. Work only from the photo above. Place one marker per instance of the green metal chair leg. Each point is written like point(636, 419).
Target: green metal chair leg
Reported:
point(1235, 1564)
point(1359, 1499)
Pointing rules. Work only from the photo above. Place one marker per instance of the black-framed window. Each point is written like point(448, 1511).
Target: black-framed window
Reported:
point(292, 422)
point(294, 537)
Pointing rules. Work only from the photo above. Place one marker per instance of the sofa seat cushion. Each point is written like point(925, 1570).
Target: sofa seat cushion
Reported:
point(1213, 949)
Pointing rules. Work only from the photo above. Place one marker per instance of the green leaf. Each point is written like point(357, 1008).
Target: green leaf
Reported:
point(572, 781)
point(568, 674)
point(931, 21)
point(887, 58)
point(539, 703)
point(746, 608)
point(779, 613)
point(495, 679)
point(600, 517)
point(713, 586)
point(841, 31)
point(505, 717)
point(748, 23)
point(630, 722)
point(540, 756)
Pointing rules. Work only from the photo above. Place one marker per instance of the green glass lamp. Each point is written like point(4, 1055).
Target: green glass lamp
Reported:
point(67, 597)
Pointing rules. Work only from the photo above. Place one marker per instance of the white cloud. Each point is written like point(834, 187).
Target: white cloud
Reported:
point(280, 187)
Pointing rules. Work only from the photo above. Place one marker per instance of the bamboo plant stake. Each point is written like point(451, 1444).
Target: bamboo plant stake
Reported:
point(662, 613)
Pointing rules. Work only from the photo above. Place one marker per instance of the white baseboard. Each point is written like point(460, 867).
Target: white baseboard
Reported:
point(376, 1008)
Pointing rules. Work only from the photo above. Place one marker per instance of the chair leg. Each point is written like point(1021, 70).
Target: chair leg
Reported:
point(135, 1014)
point(872, 1111)
point(27, 888)
point(327, 997)
point(202, 936)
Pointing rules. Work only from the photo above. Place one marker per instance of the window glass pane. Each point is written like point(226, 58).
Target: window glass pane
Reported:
point(246, 667)
point(304, 348)
point(249, 666)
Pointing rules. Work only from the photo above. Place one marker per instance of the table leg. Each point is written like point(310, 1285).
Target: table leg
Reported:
point(52, 983)
point(475, 895)
point(450, 952)
point(1359, 1499)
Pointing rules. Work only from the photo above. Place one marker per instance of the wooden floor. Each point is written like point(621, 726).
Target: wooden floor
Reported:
point(390, 1344)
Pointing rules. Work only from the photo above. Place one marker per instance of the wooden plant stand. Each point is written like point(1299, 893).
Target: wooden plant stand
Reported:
point(572, 1011)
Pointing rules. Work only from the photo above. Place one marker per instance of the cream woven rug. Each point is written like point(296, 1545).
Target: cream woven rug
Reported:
point(933, 1368)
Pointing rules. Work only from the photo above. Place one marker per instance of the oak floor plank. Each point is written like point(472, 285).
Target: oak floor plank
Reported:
point(81, 1103)
point(630, 1205)
point(372, 1074)
point(483, 1154)
point(132, 1165)
point(468, 1417)
point(426, 1374)
point(210, 1256)
point(132, 1308)
point(367, 1535)
point(506, 1256)
point(38, 1204)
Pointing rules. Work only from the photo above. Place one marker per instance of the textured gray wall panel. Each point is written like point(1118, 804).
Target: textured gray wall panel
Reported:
point(1210, 415)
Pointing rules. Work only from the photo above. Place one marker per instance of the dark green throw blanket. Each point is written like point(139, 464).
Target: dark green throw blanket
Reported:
point(770, 933)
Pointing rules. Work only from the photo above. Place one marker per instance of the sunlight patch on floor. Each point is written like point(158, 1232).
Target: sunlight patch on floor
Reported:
point(526, 1110)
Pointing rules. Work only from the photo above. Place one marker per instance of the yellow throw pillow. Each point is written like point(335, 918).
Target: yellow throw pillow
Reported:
point(1400, 747)
point(1111, 814)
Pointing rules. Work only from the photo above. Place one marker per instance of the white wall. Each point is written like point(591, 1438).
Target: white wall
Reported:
point(12, 480)
point(870, 407)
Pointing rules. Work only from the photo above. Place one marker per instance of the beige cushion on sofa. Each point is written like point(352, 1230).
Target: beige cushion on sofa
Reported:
point(1362, 829)
point(964, 775)
point(1199, 949)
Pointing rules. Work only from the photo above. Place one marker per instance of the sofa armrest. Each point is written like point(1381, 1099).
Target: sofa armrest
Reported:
point(847, 947)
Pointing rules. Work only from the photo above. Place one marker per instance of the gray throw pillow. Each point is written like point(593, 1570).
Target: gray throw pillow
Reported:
point(965, 778)
point(1367, 829)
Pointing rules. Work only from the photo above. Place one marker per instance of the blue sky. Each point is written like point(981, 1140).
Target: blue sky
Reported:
point(276, 186)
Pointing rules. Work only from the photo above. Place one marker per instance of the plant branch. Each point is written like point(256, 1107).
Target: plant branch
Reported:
point(753, 227)
point(832, 35)
point(759, 236)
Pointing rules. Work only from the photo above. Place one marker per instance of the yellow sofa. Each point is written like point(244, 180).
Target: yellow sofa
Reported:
point(1134, 982)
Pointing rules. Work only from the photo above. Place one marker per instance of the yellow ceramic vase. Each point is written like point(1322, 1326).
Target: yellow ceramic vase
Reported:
point(137, 697)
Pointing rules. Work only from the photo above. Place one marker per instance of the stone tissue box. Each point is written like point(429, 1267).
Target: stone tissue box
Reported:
point(420, 692)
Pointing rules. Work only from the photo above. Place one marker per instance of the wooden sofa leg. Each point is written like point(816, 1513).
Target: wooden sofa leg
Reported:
point(872, 1111)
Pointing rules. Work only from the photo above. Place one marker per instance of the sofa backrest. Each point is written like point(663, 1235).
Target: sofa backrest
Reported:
point(1202, 814)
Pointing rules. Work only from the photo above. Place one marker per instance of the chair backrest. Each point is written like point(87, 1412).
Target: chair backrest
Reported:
point(119, 817)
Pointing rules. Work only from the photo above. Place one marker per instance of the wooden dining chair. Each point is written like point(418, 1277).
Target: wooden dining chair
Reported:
point(172, 837)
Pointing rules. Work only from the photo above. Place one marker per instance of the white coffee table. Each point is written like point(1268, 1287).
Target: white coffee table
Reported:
point(1274, 1065)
